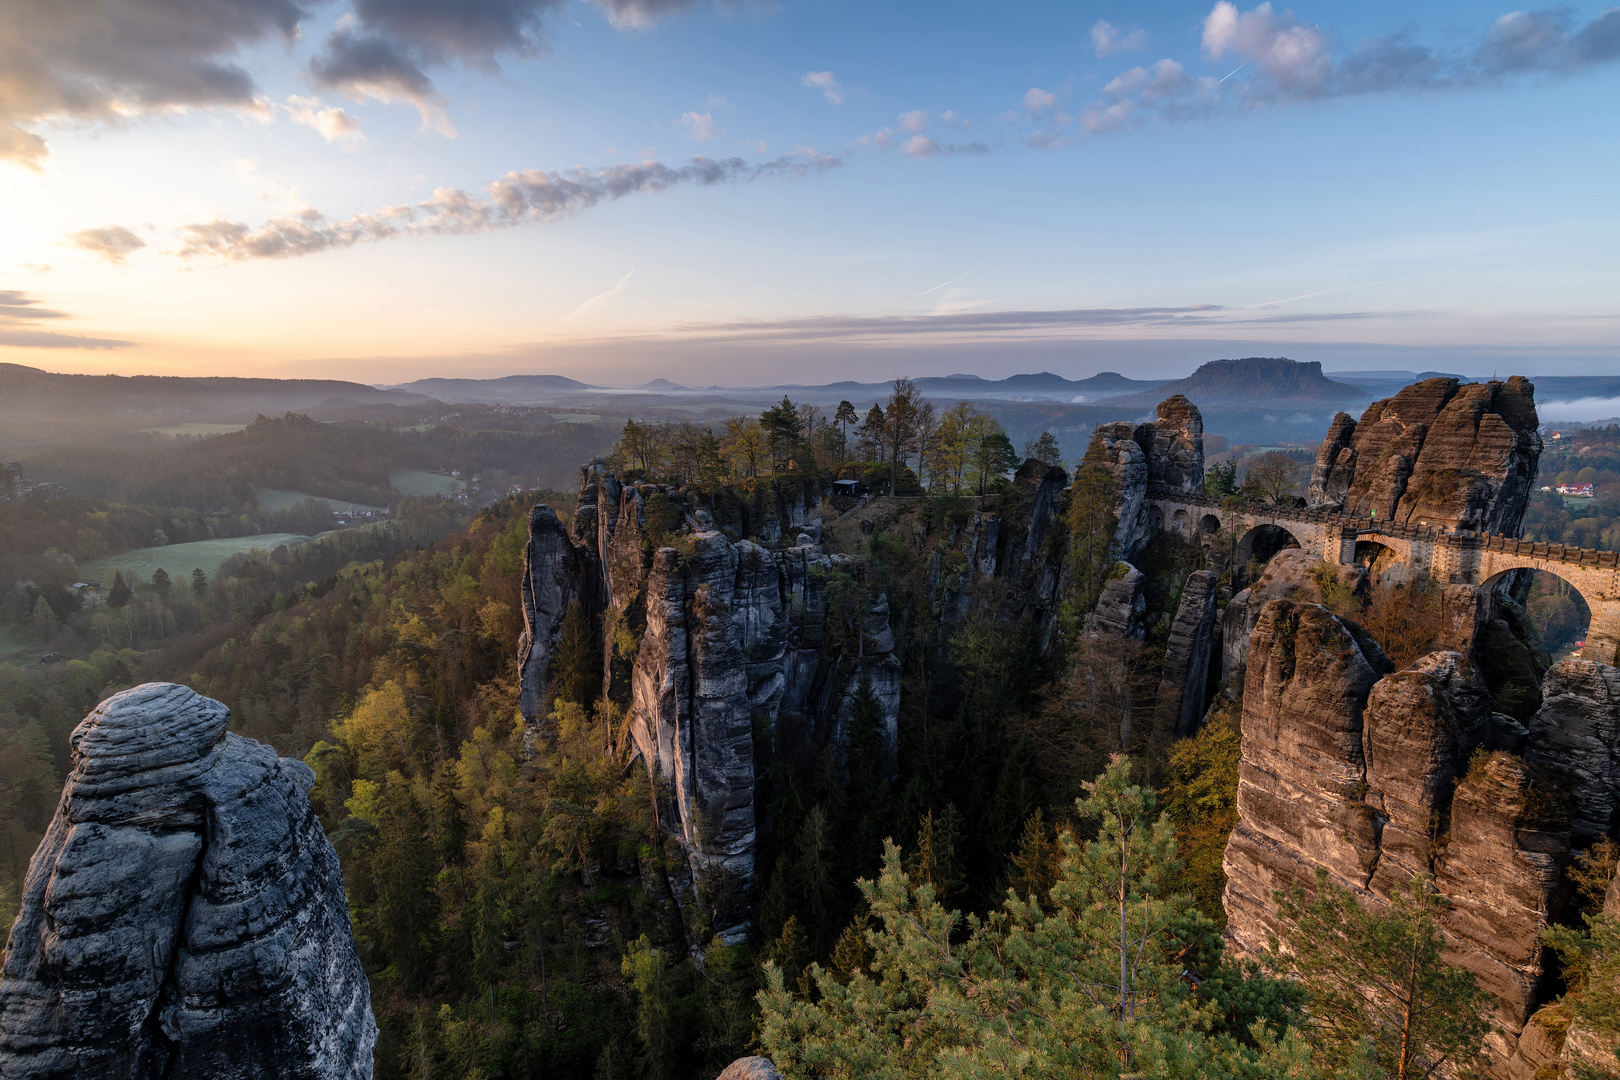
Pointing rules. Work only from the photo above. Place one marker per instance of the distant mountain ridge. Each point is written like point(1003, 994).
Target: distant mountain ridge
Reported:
point(28, 393)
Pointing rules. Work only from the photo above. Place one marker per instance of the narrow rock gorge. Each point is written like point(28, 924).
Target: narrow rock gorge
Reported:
point(184, 916)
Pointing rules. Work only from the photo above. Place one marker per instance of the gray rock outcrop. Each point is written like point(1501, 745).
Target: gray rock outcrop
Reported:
point(1291, 574)
point(1128, 464)
point(555, 576)
point(1438, 452)
point(1577, 732)
point(750, 1068)
point(1185, 681)
point(1173, 445)
point(1122, 607)
point(184, 916)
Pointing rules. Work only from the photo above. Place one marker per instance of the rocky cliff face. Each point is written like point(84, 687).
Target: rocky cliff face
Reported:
point(555, 576)
point(1291, 574)
point(1187, 657)
point(1360, 770)
point(184, 916)
point(1438, 452)
point(1577, 733)
point(1166, 452)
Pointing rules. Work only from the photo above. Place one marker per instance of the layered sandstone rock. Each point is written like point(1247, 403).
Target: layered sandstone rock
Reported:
point(1577, 732)
point(1502, 869)
point(750, 1068)
point(1129, 467)
point(1292, 574)
point(1173, 445)
point(1421, 724)
point(1187, 657)
point(184, 916)
point(1438, 452)
point(556, 575)
point(1353, 768)
point(1122, 607)
point(1302, 777)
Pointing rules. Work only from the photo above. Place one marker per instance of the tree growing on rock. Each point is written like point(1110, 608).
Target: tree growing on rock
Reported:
point(1377, 987)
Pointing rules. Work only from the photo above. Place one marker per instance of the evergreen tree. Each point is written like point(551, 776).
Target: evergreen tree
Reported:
point(993, 456)
point(199, 584)
point(1092, 521)
point(161, 584)
point(576, 661)
point(1095, 988)
point(867, 806)
point(120, 596)
point(844, 417)
point(407, 911)
point(1035, 863)
point(1375, 980)
point(1044, 449)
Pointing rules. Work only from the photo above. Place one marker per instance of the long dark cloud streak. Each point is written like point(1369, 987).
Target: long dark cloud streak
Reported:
point(519, 198)
point(19, 313)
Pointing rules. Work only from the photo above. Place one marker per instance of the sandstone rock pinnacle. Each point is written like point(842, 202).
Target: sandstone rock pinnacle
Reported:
point(184, 916)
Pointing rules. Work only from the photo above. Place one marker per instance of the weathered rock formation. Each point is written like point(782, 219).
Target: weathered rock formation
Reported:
point(184, 916)
point(1183, 687)
point(555, 576)
point(1292, 574)
point(1502, 869)
point(1122, 608)
point(1577, 732)
point(1437, 452)
point(750, 1068)
point(1166, 452)
point(1355, 768)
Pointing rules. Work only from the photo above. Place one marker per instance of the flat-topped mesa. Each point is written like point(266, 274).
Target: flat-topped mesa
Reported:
point(184, 916)
point(1438, 452)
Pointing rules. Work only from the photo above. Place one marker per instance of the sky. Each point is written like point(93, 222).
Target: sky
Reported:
point(747, 193)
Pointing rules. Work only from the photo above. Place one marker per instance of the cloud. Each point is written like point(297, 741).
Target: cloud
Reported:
point(1109, 40)
point(363, 66)
point(111, 242)
point(334, 124)
point(110, 62)
point(914, 121)
point(919, 146)
point(1283, 60)
point(18, 314)
point(1038, 101)
point(518, 198)
point(701, 125)
point(824, 81)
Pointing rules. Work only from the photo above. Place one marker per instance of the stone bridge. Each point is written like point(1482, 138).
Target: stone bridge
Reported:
point(1449, 556)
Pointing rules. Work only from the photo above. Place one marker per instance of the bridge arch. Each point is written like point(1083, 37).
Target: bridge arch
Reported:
point(1555, 605)
point(1262, 541)
point(1388, 559)
point(1181, 524)
point(1209, 524)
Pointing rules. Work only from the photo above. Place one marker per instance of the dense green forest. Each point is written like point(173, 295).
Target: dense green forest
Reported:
point(923, 922)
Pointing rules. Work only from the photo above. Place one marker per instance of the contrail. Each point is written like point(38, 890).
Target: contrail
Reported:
point(954, 280)
point(1234, 71)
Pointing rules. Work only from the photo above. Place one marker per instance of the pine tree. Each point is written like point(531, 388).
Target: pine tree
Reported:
point(1035, 863)
point(867, 806)
point(1092, 521)
point(852, 953)
point(120, 596)
point(407, 911)
point(1376, 980)
point(1044, 449)
point(199, 584)
point(161, 584)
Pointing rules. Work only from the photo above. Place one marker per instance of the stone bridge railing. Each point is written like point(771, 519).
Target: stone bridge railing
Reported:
point(1450, 556)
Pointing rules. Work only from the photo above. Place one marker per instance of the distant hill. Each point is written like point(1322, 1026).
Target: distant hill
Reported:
point(1255, 380)
point(30, 394)
point(510, 389)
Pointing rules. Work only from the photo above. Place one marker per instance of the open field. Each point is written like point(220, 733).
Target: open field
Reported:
point(422, 482)
point(13, 642)
point(272, 499)
point(575, 418)
point(197, 429)
point(180, 559)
